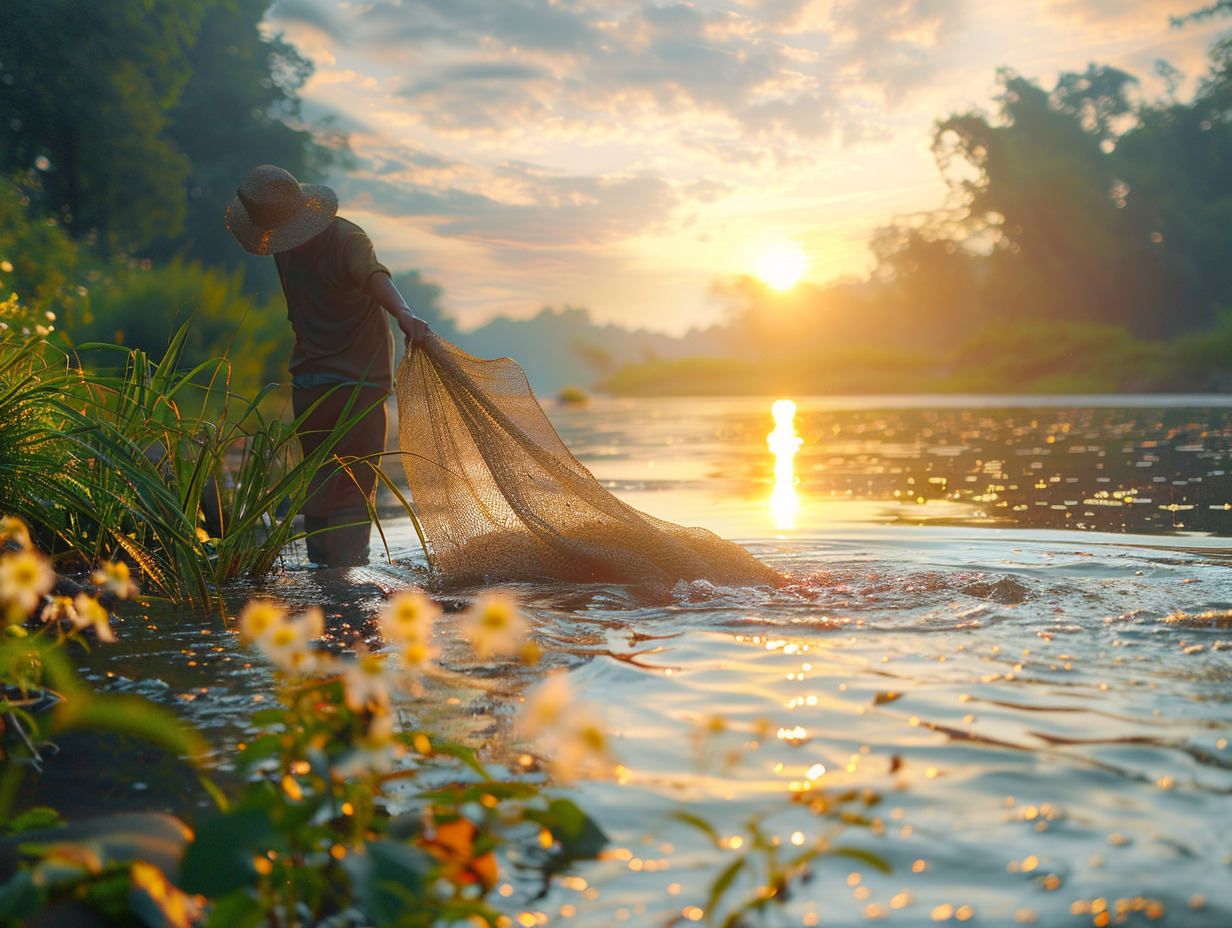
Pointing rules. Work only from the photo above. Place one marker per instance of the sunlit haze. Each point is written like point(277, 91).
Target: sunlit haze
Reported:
point(627, 155)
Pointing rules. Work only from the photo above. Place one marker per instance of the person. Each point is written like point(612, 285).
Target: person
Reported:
point(337, 295)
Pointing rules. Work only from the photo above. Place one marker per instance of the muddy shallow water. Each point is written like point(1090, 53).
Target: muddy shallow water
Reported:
point(1009, 623)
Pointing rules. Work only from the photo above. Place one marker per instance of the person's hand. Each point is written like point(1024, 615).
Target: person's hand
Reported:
point(414, 328)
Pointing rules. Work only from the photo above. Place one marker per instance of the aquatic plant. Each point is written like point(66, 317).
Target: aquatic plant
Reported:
point(343, 809)
point(771, 871)
point(346, 810)
point(167, 468)
point(40, 694)
point(234, 475)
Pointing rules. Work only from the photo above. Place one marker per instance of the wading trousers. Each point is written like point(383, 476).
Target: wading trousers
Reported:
point(336, 513)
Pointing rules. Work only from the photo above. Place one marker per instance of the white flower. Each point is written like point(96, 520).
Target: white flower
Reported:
point(545, 706)
point(25, 576)
point(573, 737)
point(115, 578)
point(88, 613)
point(287, 643)
point(13, 529)
point(407, 621)
point(258, 618)
point(494, 626)
point(580, 747)
point(365, 684)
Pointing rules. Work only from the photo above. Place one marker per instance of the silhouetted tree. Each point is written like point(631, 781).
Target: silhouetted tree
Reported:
point(1039, 186)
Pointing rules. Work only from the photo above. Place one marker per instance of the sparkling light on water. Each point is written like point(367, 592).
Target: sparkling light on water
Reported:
point(784, 443)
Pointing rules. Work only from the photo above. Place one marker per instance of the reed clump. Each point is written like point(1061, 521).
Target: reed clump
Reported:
point(108, 455)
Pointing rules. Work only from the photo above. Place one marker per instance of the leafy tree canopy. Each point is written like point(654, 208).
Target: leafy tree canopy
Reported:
point(141, 117)
point(84, 94)
point(240, 109)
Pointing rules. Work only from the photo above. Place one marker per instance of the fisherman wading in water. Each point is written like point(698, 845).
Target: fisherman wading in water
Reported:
point(337, 295)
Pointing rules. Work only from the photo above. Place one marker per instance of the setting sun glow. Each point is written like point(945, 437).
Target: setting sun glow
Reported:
point(782, 268)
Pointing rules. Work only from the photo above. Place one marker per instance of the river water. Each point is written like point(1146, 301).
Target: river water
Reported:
point(1007, 636)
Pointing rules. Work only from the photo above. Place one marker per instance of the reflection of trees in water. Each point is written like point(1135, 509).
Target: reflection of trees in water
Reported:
point(1146, 471)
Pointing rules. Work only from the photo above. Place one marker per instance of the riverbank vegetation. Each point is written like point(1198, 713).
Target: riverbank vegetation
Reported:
point(165, 467)
point(314, 834)
point(1077, 357)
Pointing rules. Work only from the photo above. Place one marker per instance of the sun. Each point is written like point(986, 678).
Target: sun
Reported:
point(782, 268)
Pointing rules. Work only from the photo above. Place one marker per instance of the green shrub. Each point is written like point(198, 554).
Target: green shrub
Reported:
point(143, 309)
point(48, 271)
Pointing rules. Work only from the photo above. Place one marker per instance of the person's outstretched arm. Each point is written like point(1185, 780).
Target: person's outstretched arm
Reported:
point(382, 289)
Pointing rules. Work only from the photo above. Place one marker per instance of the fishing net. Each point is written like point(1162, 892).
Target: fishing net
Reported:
point(500, 498)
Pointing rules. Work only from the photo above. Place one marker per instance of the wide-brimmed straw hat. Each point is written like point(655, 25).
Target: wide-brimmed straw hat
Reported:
point(274, 212)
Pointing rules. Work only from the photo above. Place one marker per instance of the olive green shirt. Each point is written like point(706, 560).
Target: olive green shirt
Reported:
point(341, 334)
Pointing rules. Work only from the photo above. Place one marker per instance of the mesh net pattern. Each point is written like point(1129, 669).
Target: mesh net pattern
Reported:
point(500, 498)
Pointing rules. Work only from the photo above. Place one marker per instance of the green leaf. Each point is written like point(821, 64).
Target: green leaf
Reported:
point(700, 824)
point(580, 837)
point(385, 876)
point(40, 817)
point(220, 859)
point(723, 882)
point(459, 794)
point(219, 797)
point(868, 857)
point(269, 717)
point(440, 746)
point(128, 715)
point(262, 748)
point(238, 909)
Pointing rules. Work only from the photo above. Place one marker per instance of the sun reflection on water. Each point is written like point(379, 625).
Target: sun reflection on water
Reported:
point(784, 443)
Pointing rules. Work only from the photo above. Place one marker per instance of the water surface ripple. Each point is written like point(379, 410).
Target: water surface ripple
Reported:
point(1030, 701)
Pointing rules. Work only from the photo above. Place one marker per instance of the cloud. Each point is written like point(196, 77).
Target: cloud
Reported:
point(1122, 17)
point(783, 70)
point(535, 24)
point(538, 209)
point(531, 147)
point(318, 15)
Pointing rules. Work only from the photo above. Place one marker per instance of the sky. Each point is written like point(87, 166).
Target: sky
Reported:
point(628, 156)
